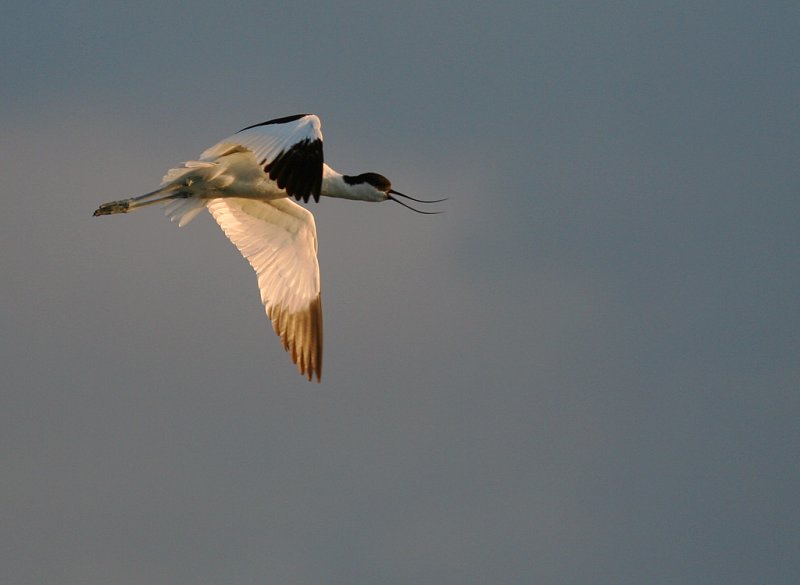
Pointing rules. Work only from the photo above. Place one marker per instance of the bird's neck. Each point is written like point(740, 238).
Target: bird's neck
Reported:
point(334, 185)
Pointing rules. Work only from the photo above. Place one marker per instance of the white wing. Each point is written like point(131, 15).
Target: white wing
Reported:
point(279, 239)
point(288, 149)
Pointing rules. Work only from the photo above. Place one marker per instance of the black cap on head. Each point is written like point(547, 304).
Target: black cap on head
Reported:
point(378, 181)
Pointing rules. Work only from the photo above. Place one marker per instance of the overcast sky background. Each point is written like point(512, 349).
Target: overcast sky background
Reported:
point(585, 371)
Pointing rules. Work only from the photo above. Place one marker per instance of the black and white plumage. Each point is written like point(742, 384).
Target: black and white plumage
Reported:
point(247, 181)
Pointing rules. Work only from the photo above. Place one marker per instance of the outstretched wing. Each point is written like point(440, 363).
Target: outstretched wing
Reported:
point(279, 239)
point(288, 149)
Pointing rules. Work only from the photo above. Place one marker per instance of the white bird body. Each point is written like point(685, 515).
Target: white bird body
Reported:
point(246, 181)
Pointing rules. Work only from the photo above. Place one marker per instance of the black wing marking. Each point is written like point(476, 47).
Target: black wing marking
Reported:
point(283, 120)
point(288, 149)
point(298, 170)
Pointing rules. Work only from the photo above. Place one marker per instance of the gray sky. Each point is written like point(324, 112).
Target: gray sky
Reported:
point(586, 371)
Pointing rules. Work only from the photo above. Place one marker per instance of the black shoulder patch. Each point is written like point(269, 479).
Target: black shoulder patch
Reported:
point(299, 169)
point(283, 120)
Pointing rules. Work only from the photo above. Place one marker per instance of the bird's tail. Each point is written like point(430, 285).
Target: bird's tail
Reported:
point(185, 209)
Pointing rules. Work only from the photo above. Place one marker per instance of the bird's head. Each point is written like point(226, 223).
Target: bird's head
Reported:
point(375, 187)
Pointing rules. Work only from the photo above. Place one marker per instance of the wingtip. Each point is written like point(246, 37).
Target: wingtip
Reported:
point(301, 337)
point(312, 374)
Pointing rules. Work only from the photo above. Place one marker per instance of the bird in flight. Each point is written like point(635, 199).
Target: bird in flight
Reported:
point(247, 182)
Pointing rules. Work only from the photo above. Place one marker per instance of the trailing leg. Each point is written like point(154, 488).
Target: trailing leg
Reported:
point(126, 205)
